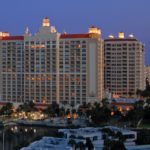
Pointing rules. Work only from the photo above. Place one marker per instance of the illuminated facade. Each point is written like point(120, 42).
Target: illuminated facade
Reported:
point(124, 65)
point(147, 72)
point(52, 67)
point(81, 67)
point(11, 68)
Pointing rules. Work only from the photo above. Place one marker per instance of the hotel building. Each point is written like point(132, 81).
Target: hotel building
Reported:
point(11, 68)
point(51, 67)
point(147, 72)
point(124, 65)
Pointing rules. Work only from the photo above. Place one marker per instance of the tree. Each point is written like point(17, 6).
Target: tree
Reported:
point(120, 136)
point(72, 142)
point(100, 114)
point(7, 109)
point(53, 110)
point(67, 111)
point(81, 146)
point(130, 93)
point(145, 93)
point(105, 102)
point(138, 92)
point(62, 111)
point(89, 144)
point(136, 114)
point(147, 84)
point(73, 111)
point(146, 115)
point(27, 107)
point(113, 145)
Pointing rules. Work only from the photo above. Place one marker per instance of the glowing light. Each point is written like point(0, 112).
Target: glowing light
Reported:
point(75, 116)
point(131, 36)
point(16, 128)
point(26, 130)
point(120, 109)
point(112, 113)
point(111, 36)
point(68, 116)
point(34, 130)
point(38, 79)
point(121, 35)
point(44, 101)
point(53, 29)
point(115, 96)
point(38, 46)
point(46, 22)
point(94, 30)
point(78, 46)
point(4, 34)
point(127, 108)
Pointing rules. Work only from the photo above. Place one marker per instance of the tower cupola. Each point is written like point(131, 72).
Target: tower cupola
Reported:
point(46, 22)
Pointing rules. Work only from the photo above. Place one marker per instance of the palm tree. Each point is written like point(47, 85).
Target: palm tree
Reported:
point(27, 107)
point(81, 146)
point(7, 109)
point(138, 92)
point(100, 114)
point(62, 112)
point(72, 143)
point(89, 144)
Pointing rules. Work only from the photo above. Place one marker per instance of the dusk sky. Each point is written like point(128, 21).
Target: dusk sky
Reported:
point(75, 16)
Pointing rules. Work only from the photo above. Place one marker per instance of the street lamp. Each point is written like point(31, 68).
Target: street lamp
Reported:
point(6, 125)
point(4, 138)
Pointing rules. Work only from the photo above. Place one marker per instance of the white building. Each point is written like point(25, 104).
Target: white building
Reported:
point(124, 65)
point(147, 72)
point(11, 68)
point(51, 67)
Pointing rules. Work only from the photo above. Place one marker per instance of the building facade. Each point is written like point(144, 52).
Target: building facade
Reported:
point(147, 72)
point(124, 65)
point(11, 68)
point(52, 67)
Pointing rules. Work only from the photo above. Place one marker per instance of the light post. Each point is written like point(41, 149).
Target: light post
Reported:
point(5, 125)
point(4, 138)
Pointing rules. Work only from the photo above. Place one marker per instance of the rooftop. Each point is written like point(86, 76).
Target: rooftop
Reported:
point(13, 38)
point(67, 36)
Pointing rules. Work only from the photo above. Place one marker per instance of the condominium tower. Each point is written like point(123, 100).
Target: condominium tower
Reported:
point(51, 67)
point(147, 72)
point(124, 65)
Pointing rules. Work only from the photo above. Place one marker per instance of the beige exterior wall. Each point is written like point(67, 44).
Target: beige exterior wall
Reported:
point(95, 69)
point(11, 71)
point(84, 56)
point(147, 73)
point(124, 66)
point(50, 67)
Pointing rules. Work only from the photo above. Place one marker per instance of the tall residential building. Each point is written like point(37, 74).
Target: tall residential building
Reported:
point(11, 68)
point(147, 72)
point(52, 67)
point(124, 65)
point(81, 67)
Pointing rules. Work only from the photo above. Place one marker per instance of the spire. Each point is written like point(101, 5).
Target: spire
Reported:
point(27, 32)
point(64, 32)
point(46, 22)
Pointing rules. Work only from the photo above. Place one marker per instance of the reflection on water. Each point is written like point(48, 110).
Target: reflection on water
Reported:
point(17, 136)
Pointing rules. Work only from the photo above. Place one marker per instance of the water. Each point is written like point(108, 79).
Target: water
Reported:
point(17, 136)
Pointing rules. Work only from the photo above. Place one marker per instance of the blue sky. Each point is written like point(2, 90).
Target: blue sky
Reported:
point(75, 16)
